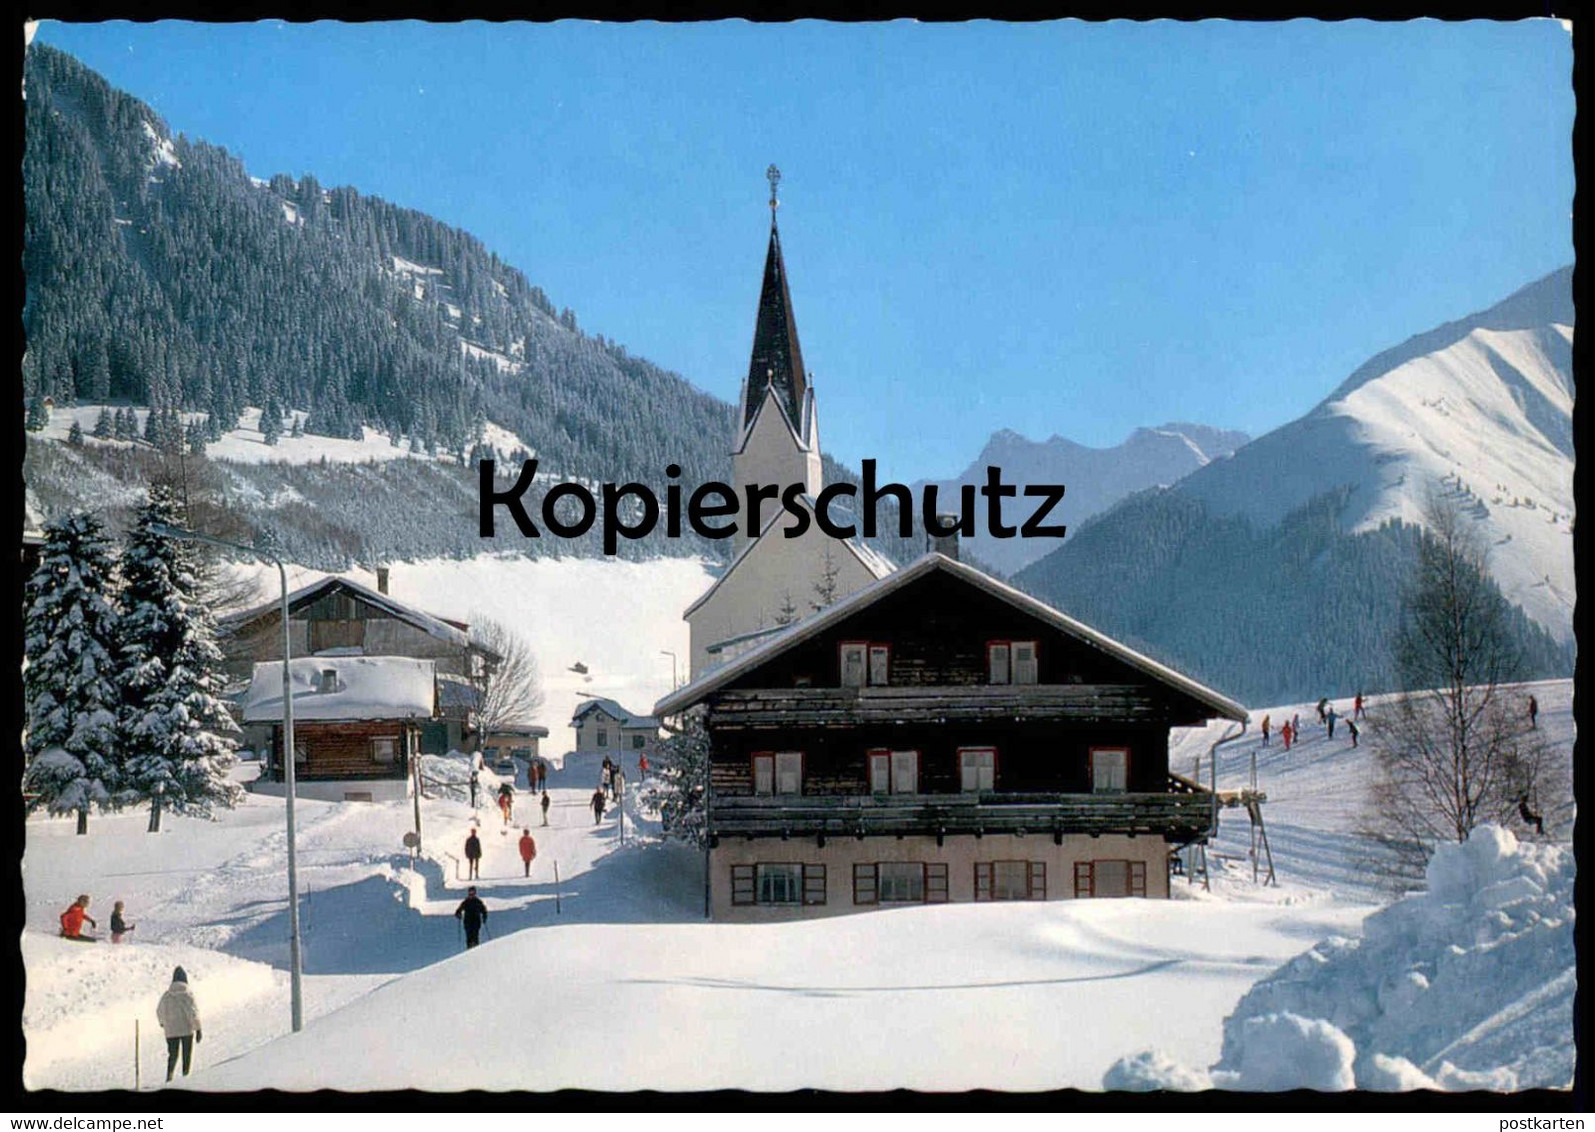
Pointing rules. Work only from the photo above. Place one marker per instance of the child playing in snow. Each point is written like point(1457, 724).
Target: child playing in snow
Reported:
point(119, 926)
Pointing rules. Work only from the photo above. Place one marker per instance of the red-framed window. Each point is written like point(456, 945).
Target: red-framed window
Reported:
point(1110, 770)
point(1012, 662)
point(778, 883)
point(1109, 878)
point(900, 882)
point(777, 772)
point(893, 772)
point(977, 768)
point(865, 664)
point(1010, 880)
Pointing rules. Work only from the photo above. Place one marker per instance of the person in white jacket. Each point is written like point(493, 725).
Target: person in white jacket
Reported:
point(179, 1018)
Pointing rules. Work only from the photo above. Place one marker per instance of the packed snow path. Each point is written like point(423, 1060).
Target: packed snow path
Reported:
point(212, 897)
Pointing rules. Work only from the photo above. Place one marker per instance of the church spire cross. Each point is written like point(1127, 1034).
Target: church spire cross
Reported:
point(773, 175)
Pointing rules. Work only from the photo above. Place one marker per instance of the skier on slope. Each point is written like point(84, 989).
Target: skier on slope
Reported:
point(473, 914)
point(473, 856)
point(1323, 704)
point(1329, 717)
point(528, 851)
point(1356, 707)
point(1529, 816)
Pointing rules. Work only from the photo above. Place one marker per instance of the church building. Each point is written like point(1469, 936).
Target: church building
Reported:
point(773, 580)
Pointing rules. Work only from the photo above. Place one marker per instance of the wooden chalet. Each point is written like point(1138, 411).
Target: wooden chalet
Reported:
point(337, 617)
point(940, 736)
point(358, 722)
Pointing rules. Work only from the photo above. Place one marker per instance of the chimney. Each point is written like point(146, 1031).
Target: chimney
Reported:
point(382, 579)
point(945, 545)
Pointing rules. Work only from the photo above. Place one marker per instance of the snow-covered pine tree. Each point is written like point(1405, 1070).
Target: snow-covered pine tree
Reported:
point(676, 788)
point(74, 435)
point(103, 425)
point(270, 423)
point(38, 413)
point(69, 684)
point(175, 731)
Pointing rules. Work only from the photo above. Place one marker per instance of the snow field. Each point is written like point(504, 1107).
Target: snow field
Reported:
point(246, 444)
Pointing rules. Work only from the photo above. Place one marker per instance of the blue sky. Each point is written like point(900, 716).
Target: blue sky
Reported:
point(1055, 228)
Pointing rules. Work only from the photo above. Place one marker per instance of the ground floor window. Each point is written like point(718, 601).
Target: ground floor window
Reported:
point(1110, 878)
point(900, 882)
point(782, 882)
point(1011, 880)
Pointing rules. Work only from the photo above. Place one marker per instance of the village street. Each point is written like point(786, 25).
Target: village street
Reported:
point(212, 897)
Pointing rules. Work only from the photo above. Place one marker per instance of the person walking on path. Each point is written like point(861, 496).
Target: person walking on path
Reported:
point(528, 851)
point(1329, 718)
point(598, 805)
point(1266, 720)
point(473, 914)
point(1287, 733)
point(545, 807)
point(473, 857)
point(119, 926)
point(1534, 714)
point(1295, 726)
point(473, 787)
point(642, 767)
point(178, 1015)
point(1351, 728)
point(1356, 707)
point(542, 776)
point(1322, 705)
point(506, 800)
point(72, 920)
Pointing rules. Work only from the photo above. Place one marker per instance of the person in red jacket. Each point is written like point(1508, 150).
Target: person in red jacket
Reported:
point(72, 920)
point(528, 850)
point(1287, 733)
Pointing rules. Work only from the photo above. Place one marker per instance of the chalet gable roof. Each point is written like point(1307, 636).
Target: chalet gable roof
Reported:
point(453, 633)
point(813, 626)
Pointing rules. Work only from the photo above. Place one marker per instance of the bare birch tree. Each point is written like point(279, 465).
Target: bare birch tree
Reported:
point(509, 688)
point(1453, 750)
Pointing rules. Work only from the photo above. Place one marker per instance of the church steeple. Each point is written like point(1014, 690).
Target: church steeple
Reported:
point(777, 360)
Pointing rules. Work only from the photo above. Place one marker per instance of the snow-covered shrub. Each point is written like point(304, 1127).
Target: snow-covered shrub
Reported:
point(1152, 1070)
point(1273, 1052)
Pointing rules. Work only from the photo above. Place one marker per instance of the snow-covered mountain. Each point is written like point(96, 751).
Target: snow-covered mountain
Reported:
point(1096, 478)
point(1483, 404)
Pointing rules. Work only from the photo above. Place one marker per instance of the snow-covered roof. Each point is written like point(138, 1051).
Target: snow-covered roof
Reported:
point(367, 687)
point(433, 626)
point(800, 631)
point(613, 710)
point(872, 560)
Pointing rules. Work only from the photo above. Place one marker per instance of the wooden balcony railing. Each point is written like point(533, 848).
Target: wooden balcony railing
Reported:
point(847, 707)
point(1182, 815)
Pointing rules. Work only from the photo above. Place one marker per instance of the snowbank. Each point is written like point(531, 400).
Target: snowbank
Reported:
point(1468, 985)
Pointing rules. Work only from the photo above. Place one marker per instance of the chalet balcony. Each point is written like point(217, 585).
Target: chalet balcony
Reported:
point(850, 707)
point(1184, 813)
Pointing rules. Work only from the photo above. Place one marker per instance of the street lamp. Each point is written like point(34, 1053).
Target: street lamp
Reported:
point(296, 967)
point(672, 656)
